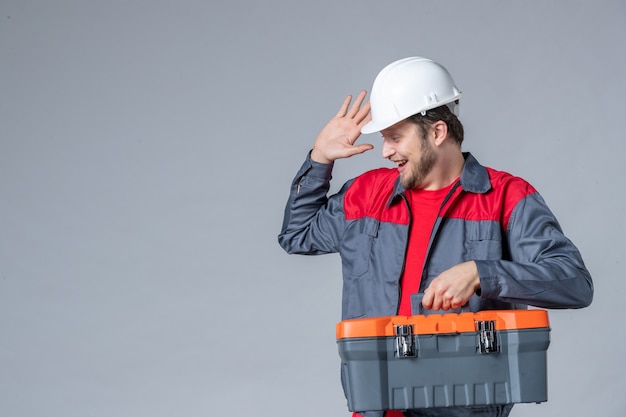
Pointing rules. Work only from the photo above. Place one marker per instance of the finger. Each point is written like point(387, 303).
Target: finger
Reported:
point(344, 106)
point(364, 118)
point(427, 299)
point(358, 102)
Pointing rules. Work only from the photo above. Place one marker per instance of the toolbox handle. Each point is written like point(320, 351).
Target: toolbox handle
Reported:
point(416, 305)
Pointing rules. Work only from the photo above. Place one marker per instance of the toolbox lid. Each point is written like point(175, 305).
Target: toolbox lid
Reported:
point(442, 323)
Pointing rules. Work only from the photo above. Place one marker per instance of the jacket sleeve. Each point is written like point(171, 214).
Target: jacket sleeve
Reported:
point(313, 223)
point(546, 270)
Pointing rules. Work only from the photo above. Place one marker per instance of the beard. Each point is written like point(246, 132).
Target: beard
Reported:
point(421, 168)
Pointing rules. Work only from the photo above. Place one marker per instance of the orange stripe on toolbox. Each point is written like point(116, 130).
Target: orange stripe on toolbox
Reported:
point(442, 323)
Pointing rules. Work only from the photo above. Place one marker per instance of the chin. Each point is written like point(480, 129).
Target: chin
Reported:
point(407, 183)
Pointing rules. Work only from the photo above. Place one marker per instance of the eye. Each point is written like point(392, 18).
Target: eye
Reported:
point(392, 138)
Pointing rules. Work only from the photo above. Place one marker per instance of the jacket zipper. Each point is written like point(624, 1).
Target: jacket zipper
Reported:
point(436, 228)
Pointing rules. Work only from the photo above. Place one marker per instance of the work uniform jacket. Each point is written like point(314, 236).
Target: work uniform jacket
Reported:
point(490, 217)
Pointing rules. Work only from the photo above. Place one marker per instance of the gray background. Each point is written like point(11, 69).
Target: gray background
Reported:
point(146, 151)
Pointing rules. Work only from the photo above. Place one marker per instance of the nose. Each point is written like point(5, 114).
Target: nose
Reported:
point(388, 149)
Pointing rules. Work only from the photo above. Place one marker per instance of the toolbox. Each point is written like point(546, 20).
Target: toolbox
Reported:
point(444, 360)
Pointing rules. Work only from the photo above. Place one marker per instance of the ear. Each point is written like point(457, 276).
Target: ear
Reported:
point(440, 132)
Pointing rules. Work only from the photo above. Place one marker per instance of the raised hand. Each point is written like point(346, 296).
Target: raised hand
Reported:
point(336, 140)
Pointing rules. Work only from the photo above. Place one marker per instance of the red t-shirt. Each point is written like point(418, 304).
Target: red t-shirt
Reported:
point(425, 206)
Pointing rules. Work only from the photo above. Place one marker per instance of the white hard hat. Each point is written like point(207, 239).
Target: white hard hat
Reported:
point(407, 87)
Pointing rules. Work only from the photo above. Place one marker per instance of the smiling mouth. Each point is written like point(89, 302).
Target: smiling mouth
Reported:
point(400, 163)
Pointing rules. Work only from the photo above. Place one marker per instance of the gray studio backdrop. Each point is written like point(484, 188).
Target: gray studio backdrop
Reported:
point(146, 151)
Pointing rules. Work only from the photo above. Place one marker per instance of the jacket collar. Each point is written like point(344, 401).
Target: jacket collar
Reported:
point(474, 179)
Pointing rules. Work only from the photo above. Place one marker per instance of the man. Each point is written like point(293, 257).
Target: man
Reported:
point(439, 232)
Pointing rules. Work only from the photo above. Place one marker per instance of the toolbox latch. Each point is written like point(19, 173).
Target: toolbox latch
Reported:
point(487, 338)
point(405, 342)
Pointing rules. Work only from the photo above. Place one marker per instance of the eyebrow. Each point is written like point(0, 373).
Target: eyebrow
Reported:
point(390, 132)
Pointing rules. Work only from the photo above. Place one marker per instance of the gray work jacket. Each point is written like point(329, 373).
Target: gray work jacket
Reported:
point(491, 217)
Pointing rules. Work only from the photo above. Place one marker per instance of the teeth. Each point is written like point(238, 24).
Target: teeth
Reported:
point(400, 163)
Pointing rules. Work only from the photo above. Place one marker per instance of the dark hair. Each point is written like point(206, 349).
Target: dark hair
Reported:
point(443, 113)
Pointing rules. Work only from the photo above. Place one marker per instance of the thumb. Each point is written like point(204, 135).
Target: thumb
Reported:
point(363, 147)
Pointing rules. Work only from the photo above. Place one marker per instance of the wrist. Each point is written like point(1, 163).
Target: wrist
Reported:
point(318, 157)
point(476, 280)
